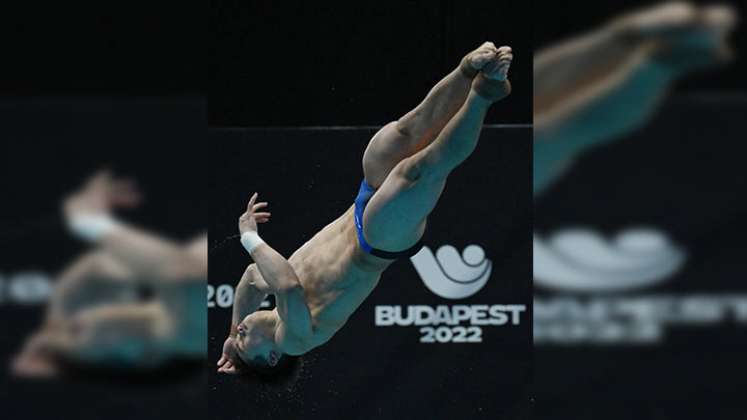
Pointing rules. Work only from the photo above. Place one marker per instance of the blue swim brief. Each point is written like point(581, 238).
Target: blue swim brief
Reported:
point(364, 196)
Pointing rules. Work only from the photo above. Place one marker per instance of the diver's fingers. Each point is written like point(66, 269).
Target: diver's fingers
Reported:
point(99, 179)
point(251, 202)
point(226, 367)
point(259, 206)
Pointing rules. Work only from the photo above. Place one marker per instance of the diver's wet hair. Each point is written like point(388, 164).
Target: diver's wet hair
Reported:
point(281, 376)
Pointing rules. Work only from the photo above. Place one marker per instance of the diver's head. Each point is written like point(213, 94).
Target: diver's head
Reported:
point(257, 356)
point(255, 340)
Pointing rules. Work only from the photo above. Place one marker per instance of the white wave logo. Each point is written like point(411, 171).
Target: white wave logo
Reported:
point(450, 275)
point(580, 260)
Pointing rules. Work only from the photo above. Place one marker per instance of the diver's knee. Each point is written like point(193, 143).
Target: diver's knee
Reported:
point(403, 126)
point(407, 170)
point(422, 167)
point(412, 124)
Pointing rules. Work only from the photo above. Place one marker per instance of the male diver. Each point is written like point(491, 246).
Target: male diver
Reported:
point(405, 166)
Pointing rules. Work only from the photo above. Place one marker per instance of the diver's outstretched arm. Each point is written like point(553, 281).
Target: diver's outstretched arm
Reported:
point(250, 293)
point(276, 272)
point(88, 212)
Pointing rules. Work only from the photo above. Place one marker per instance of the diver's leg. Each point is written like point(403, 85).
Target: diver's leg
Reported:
point(600, 86)
point(419, 127)
point(395, 217)
point(33, 360)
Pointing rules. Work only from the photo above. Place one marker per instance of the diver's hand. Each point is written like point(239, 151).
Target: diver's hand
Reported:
point(101, 194)
point(38, 357)
point(248, 221)
point(33, 361)
point(225, 364)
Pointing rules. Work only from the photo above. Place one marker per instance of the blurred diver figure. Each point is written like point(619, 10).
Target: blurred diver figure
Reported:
point(136, 301)
point(600, 86)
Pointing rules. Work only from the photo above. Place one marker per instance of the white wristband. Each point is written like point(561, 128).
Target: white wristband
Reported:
point(92, 227)
point(251, 240)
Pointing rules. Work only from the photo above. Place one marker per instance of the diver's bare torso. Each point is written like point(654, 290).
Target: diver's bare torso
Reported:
point(336, 275)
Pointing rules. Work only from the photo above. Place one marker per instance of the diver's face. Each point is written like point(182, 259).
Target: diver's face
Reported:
point(255, 342)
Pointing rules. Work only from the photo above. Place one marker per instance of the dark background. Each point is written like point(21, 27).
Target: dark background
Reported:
point(353, 63)
point(49, 147)
point(111, 48)
point(310, 177)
